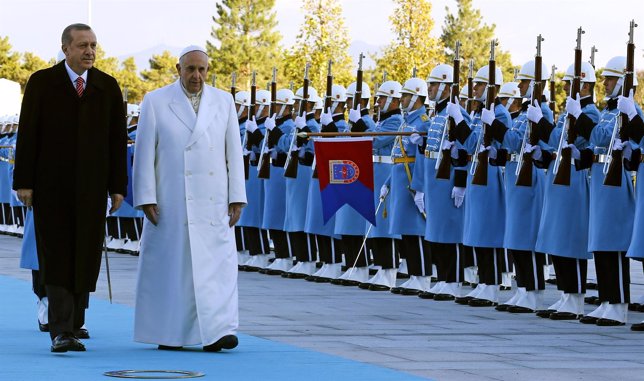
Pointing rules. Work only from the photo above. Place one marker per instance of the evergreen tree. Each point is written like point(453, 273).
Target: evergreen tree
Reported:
point(413, 46)
point(245, 39)
point(109, 65)
point(10, 67)
point(162, 71)
point(128, 79)
point(466, 26)
point(322, 37)
point(30, 64)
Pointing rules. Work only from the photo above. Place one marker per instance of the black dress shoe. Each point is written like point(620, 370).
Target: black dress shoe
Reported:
point(241, 267)
point(169, 348)
point(481, 303)
point(426, 295)
point(640, 308)
point(409, 291)
point(634, 306)
point(466, 283)
point(545, 313)
point(608, 322)
point(311, 278)
point(350, 283)
point(43, 327)
point(520, 310)
point(321, 279)
point(637, 327)
point(337, 281)
point(364, 285)
point(590, 299)
point(591, 285)
point(464, 300)
point(296, 275)
point(396, 290)
point(563, 316)
point(226, 342)
point(505, 288)
point(379, 287)
point(588, 319)
point(503, 307)
point(252, 269)
point(551, 280)
point(443, 297)
point(474, 285)
point(66, 342)
point(373, 272)
point(274, 272)
point(81, 333)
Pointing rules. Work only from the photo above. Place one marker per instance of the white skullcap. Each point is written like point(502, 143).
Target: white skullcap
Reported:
point(192, 48)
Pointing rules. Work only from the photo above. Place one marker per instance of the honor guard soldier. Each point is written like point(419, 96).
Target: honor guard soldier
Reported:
point(242, 102)
point(327, 242)
point(510, 97)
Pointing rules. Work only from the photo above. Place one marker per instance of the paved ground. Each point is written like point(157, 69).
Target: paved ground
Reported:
point(437, 340)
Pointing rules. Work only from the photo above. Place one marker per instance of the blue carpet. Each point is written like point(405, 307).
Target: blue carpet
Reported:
point(25, 355)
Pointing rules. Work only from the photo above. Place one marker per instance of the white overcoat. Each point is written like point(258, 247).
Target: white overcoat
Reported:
point(191, 167)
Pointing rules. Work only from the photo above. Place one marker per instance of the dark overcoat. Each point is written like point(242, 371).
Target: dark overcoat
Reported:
point(71, 151)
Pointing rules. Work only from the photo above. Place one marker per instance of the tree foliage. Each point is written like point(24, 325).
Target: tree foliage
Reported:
point(322, 37)
point(245, 39)
point(129, 80)
point(466, 26)
point(413, 46)
point(162, 70)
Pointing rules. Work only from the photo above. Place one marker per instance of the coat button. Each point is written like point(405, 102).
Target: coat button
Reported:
point(211, 173)
point(188, 173)
point(188, 149)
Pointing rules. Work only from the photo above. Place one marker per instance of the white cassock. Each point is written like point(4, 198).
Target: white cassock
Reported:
point(191, 166)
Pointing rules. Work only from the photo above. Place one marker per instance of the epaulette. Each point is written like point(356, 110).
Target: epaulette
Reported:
point(424, 117)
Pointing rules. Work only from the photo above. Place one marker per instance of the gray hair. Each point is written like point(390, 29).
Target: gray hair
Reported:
point(66, 38)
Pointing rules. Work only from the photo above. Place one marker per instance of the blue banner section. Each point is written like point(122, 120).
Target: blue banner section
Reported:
point(355, 194)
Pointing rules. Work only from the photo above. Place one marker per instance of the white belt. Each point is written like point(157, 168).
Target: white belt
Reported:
point(432, 154)
point(382, 159)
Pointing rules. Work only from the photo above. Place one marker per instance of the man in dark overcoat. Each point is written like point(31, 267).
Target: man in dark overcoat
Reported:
point(70, 154)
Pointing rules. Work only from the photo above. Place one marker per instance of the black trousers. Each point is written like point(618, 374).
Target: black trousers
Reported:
point(529, 269)
point(239, 238)
point(256, 240)
point(489, 264)
point(507, 262)
point(302, 246)
point(384, 252)
point(613, 276)
point(417, 252)
point(468, 259)
point(280, 243)
point(37, 286)
point(66, 310)
point(352, 254)
point(571, 274)
point(447, 257)
point(329, 249)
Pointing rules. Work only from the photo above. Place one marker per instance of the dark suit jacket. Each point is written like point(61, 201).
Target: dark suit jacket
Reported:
point(71, 151)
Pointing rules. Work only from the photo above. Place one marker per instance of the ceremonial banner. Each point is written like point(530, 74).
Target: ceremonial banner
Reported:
point(345, 171)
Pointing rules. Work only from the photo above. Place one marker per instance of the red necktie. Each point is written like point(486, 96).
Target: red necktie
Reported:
point(79, 86)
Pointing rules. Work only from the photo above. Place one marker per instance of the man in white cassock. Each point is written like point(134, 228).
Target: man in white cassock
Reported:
point(188, 178)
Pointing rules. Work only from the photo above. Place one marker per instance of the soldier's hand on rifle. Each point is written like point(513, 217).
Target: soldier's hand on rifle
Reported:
point(574, 152)
point(625, 147)
point(270, 122)
point(384, 191)
point(326, 118)
point(454, 111)
point(626, 105)
point(301, 140)
point(419, 200)
point(534, 112)
point(251, 125)
point(458, 194)
point(488, 115)
point(416, 139)
point(536, 151)
point(354, 115)
point(300, 121)
point(573, 106)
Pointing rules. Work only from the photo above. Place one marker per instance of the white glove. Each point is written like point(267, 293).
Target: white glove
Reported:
point(269, 123)
point(415, 139)
point(625, 147)
point(487, 116)
point(326, 118)
point(419, 200)
point(273, 154)
point(454, 111)
point(535, 150)
point(453, 150)
point(354, 115)
point(534, 112)
point(251, 125)
point(253, 156)
point(491, 151)
point(574, 152)
point(626, 105)
point(384, 191)
point(458, 194)
point(300, 121)
point(573, 106)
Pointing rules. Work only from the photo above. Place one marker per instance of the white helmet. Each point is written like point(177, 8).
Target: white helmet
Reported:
point(442, 73)
point(319, 103)
point(510, 90)
point(242, 98)
point(417, 88)
point(527, 71)
point(15, 119)
point(133, 109)
point(300, 92)
point(483, 75)
point(587, 73)
point(366, 92)
point(391, 90)
point(284, 97)
point(615, 67)
point(463, 93)
point(338, 94)
point(262, 100)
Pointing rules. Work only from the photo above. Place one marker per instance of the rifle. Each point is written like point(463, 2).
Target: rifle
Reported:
point(376, 108)
point(290, 167)
point(328, 102)
point(251, 113)
point(444, 161)
point(414, 72)
point(479, 174)
point(470, 86)
point(125, 96)
point(552, 92)
point(264, 163)
point(531, 135)
point(233, 86)
point(214, 81)
point(613, 168)
point(563, 164)
point(593, 50)
point(357, 97)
